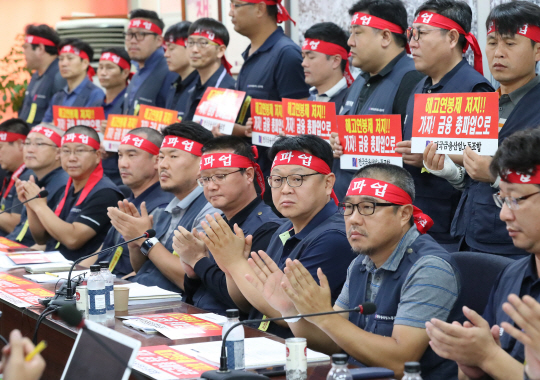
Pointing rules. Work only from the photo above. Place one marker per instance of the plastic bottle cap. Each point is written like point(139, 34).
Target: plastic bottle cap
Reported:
point(339, 358)
point(95, 268)
point(232, 313)
point(412, 367)
point(104, 264)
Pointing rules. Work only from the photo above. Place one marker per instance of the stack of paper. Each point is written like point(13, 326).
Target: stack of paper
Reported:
point(54, 277)
point(34, 260)
point(141, 292)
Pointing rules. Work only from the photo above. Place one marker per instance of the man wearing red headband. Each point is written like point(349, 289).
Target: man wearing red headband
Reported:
point(42, 156)
point(113, 72)
point(178, 61)
point(378, 48)
point(77, 225)
point(153, 259)
point(153, 79)
point(487, 347)
point(326, 63)
point(301, 184)
point(401, 269)
point(40, 50)
point(74, 63)
point(228, 176)
point(12, 136)
point(438, 38)
point(206, 45)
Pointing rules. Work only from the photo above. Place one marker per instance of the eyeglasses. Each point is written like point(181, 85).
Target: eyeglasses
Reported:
point(414, 33)
point(236, 5)
point(511, 202)
point(37, 144)
point(139, 36)
point(201, 44)
point(216, 178)
point(365, 208)
point(293, 180)
point(76, 152)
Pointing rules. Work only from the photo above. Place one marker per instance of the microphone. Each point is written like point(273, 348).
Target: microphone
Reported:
point(42, 194)
point(69, 299)
point(224, 373)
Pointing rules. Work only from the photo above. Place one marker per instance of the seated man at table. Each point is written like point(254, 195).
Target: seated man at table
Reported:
point(481, 347)
point(301, 183)
point(78, 224)
point(228, 175)
point(179, 159)
point(406, 273)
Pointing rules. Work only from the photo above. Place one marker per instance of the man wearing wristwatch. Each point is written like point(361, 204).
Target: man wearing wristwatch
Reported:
point(179, 158)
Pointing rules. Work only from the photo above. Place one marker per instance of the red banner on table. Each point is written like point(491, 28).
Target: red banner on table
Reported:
point(303, 117)
point(20, 292)
point(117, 127)
point(455, 121)
point(28, 258)
point(166, 363)
point(67, 117)
point(156, 118)
point(369, 139)
point(7, 245)
point(219, 107)
point(267, 119)
point(180, 325)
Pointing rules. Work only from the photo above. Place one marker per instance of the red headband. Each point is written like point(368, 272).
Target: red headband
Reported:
point(10, 137)
point(121, 62)
point(178, 41)
point(282, 15)
point(145, 24)
point(229, 160)
point(212, 37)
point(364, 19)
point(141, 143)
point(73, 50)
point(181, 143)
point(295, 157)
point(532, 32)
point(49, 133)
point(522, 178)
point(36, 40)
point(79, 138)
point(390, 193)
point(439, 21)
point(329, 48)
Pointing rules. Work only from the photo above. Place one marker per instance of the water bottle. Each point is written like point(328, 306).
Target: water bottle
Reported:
point(339, 370)
point(109, 288)
point(412, 371)
point(235, 341)
point(97, 306)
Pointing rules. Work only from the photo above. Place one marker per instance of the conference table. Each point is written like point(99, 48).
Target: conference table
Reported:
point(61, 337)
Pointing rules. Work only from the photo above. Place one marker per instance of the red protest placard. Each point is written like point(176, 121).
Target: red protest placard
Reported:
point(369, 139)
point(166, 363)
point(20, 292)
point(117, 127)
point(455, 121)
point(267, 119)
point(180, 325)
point(219, 107)
point(7, 245)
point(303, 117)
point(67, 117)
point(156, 118)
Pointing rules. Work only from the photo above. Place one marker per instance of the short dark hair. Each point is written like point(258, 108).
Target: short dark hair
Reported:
point(151, 134)
point(150, 15)
point(211, 25)
point(329, 32)
point(84, 130)
point(303, 143)
point(272, 11)
point(510, 17)
point(119, 51)
point(237, 144)
point(15, 126)
point(518, 152)
point(189, 130)
point(390, 10)
point(44, 31)
point(79, 44)
point(178, 30)
point(456, 10)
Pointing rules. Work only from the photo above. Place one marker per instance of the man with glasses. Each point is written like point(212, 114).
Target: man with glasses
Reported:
point(153, 260)
point(208, 39)
point(301, 183)
point(153, 79)
point(400, 268)
point(228, 176)
point(77, 225)
point(42, 155)
point(439, 36)
point(481, 347)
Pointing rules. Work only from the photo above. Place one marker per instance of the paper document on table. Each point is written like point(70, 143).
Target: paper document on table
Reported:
point(53, 258)
point(43, 268)
point(138, 291)
point(54, 277)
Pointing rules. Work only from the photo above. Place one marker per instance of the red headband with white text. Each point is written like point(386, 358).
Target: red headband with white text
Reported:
point(181, 143)
point(212, 37)
point(329, 48)
point(532, 32)
point(36, 40)
point(145, 24)
point(47, 132)
point(363, 19)
point(439, 21)
point(10, 137)
point(282, 15)
point(379, 189)
point(295, 157)
point(532, 178)
point(79, 138)
point(178, 41)
point(121, 62)
point(73, 50)
point(141, 143)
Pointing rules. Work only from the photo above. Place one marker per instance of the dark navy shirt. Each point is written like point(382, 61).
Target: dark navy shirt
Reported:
point(114, 107)
point(179, 93)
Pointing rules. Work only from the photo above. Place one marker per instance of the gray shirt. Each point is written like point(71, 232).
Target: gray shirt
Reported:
point(508, 102)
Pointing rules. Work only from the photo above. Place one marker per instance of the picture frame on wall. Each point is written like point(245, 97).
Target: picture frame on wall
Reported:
point(195, 9)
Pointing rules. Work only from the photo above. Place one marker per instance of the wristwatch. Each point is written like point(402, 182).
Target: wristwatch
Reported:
point(148, 245)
